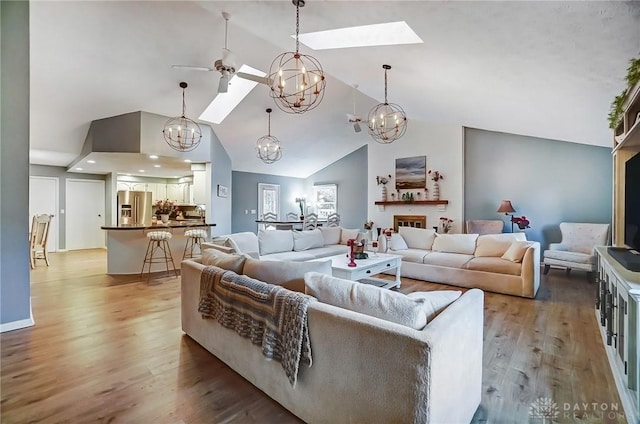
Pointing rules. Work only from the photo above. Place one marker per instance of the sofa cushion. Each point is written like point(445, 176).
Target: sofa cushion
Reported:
point(283, 273)
point(245, 242)
point(450, 260)
point(455, 243)
point(436, 301)
point(232, 262)
point(418, 238)
point(577, 257)
point(321, 252)
point(305, 240)
point(331, 235)
point(288, 256)
point(347, 234)
point(412, 255)
point(516, 251)
point(396, 242)
point(495, 265)
point(496, 244)
point(367, 299)
point(274, 241)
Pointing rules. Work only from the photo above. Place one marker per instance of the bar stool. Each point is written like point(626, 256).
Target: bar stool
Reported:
point(194, 238)
point(158, 242)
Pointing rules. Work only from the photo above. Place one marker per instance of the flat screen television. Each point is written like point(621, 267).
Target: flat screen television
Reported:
point(632, 203)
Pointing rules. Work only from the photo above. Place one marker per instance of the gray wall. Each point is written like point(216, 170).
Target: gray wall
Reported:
point(349, 173)
point(547, 181)
point(220, 174)
point(62, 175)
point(15, 293)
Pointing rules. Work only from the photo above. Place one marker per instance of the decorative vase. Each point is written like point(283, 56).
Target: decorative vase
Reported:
point(164, 217)
point(436, 191)
point(383, 192)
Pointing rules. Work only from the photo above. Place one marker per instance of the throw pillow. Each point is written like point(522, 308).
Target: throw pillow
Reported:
point(496, 244)
point(516, 251)
point(275, 241)
point(244, 242)
point(348, 234)
point(367, 299)
point(331, 235)
point(397, 242)
point(304, 240)
point(231, 262)
point(455, 243)
point(436, 301)
point(284, 273)
point(418, 238)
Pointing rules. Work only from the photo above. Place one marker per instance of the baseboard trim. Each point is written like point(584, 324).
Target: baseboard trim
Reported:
point(17, 325)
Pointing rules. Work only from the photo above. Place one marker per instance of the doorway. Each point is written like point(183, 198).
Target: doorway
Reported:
point(43, 198)
point(268, 200)
point(85, 214)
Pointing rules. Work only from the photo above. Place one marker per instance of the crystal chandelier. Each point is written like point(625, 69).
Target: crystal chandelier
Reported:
point(296, 80)
point(387, 121)
point(268, 146)
point(181, 133)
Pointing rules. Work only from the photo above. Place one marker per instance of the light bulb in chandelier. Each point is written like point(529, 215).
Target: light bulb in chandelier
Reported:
point(181, 133)
point(268, 146)
point(387, 121)
point(297, 80)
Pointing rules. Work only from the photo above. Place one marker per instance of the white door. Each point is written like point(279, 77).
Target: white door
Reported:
point(43, 198)
point(268, 200)
point(85, 214)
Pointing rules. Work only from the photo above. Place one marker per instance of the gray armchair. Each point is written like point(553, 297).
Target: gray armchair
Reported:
point(577, 248)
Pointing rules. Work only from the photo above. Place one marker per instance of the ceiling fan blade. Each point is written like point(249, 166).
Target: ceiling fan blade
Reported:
point(223, 85)
point(255, 78)
point(193, 68)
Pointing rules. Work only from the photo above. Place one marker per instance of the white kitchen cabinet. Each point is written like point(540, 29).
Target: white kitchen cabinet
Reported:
point(174, 192)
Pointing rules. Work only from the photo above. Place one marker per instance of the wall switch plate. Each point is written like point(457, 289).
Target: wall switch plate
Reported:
point(246, 211)
point(253, 211)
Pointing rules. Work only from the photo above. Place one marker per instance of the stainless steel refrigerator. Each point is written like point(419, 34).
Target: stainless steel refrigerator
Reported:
point(135, 208)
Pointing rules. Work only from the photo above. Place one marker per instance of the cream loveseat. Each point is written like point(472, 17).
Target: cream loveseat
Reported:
point(502, 263)
point(364, 369)
point(286, 245)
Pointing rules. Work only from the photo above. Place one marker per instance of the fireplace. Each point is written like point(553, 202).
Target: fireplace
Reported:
point(416, 221)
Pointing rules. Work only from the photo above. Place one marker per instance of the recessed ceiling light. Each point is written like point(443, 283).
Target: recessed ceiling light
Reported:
point(141, 170)
point(156, 166)
point(188, 160)
point(153, 156)
point(388, 34)
point(78, 169)
point(224, 103)
point(91, 161)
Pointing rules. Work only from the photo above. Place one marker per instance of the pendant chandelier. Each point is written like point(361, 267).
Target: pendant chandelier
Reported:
point(296, 80)
point(387, 121)
point(268, 146)
point(181, 133)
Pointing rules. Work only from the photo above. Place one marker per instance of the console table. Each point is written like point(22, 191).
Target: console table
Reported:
point(618, 313)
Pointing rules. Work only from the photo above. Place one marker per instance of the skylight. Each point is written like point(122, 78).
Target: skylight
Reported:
point(224, 103)
point(389, 34)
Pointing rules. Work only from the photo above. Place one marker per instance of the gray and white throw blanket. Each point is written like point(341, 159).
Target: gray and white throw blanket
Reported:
point(270, 316)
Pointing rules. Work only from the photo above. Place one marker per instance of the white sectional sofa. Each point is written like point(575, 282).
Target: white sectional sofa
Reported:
point(502, 263)
point(365, 369)
point(286, 245)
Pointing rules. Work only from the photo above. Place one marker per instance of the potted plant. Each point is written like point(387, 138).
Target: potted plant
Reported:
point(164, 208)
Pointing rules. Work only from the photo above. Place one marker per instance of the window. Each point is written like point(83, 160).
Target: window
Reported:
point(325, 198)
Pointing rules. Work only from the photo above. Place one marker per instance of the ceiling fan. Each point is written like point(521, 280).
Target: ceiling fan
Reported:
point(353, 118)
point(226, 66)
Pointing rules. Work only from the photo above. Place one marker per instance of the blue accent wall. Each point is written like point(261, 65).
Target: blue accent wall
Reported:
point(548, 181)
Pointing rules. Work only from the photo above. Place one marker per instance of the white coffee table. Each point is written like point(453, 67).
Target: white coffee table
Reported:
point(365, 269)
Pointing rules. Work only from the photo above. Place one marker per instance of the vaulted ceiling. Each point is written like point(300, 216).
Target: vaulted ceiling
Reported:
point(545, 69)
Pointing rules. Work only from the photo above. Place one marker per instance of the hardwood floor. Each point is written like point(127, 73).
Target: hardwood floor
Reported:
point(110, 349)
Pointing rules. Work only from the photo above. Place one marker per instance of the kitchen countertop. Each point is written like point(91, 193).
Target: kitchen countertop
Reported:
point(159, 226)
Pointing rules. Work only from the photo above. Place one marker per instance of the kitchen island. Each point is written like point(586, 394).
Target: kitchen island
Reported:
point(127, 244)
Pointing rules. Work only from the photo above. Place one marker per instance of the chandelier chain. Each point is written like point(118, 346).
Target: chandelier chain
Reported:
point(184, 105)
point(297, 26)
point(385, 87)
point(269, 124)
point(226, 26)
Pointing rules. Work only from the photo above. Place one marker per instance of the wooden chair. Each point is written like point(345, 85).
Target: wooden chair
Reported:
point(333, 220)
point(310, 221)
point(269, 216)
point(292, 216)
point(38, 238)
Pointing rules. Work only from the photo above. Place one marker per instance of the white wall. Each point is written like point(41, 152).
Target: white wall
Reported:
point(442, 145)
